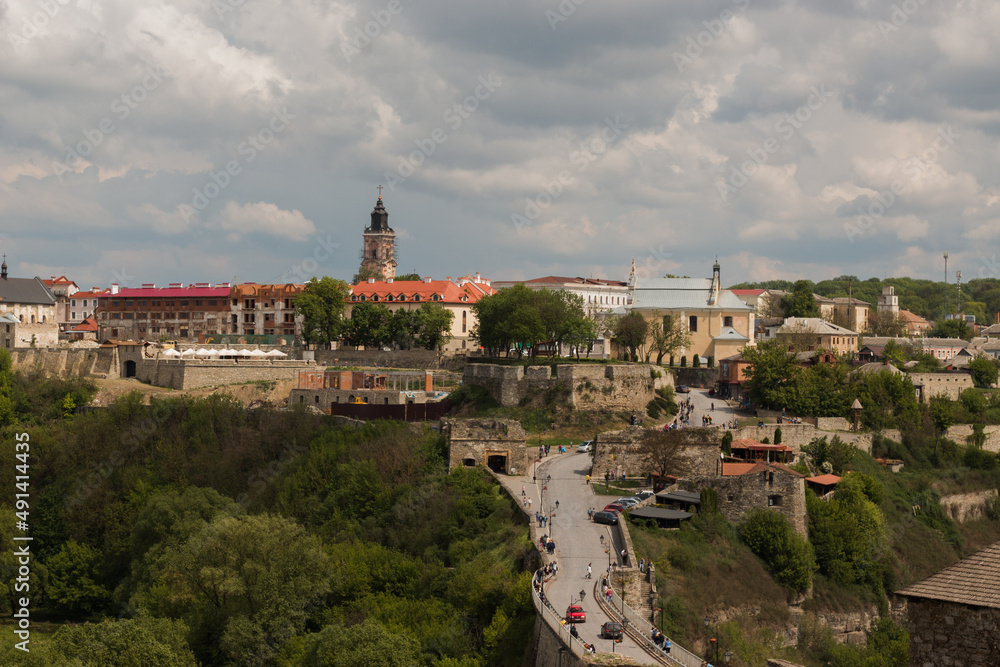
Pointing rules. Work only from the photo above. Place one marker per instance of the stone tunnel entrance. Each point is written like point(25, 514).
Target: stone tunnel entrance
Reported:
point(497, 462)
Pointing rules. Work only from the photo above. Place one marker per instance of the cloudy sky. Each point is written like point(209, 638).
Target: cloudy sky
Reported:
point(202, 140)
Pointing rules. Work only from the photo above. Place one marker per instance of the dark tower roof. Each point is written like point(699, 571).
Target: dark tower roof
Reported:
point(380, 218)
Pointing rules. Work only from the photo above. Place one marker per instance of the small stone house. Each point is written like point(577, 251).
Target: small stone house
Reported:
point(953, 617)
point(499, 444)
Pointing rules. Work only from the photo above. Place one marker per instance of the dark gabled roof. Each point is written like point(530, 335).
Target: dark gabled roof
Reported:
point(25, 290)
point(681, 496)
point(659, 513)
point(973, 581)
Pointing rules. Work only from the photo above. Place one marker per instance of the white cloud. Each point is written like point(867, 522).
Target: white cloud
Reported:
point(262, 218)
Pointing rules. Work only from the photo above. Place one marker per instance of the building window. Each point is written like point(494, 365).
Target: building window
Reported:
point(463, 323)
point(72, 302)
point(72, 315)
point(668, 322)
point(727, 321)
point(693, 323)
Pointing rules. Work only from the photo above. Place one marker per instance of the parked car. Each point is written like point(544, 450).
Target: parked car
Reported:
point(683, 389)
point(611, 630)
point(609, 518)
point(614, 507)
point(642, 495)
point(575, 614)
point(585, 447)
point(627, 503)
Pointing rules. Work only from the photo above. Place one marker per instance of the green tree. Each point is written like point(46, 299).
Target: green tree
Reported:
point(663, 451)
point(433, 325)
point(366, 272)
point(580, 334)
point(322, 303)
point(801, 302)
point(403, 328)
point(367, 644)
point(243, 585)
point(952, 329)
point(886, 323)
point(408, 277)
point(973, 401)
point(984, 370)
point(771, 375)
point(727, 443)
point(74, 580)
point(631, 332)
point(370, 325)
point(668, 336)
point(785, 554)
point(849, 534)
point(133, 642)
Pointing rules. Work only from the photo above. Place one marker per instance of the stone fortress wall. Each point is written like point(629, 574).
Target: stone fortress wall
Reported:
point(584, 386)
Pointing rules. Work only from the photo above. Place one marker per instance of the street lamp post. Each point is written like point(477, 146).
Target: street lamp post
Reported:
point(708, 622)
point(728, 655)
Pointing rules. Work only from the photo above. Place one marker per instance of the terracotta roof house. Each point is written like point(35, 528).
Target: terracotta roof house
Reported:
point(822, 484)
point(953, 617)
point(751, 450)
point(457, 297)
point(814, 332)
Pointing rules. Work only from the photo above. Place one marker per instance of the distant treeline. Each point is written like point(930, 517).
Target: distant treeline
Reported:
point(926, 298)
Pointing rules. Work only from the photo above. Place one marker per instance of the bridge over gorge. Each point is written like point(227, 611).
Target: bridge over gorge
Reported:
point(557, 487)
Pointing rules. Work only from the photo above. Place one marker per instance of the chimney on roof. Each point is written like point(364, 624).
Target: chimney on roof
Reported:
point(427, 279)
point(388, 280)
point(371, 280)
point(114, 288)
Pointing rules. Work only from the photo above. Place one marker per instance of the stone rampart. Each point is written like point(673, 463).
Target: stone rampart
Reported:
point(621, 452)
point(586, 386)
point(184, 374)
point(961, 433)
point(797, 435)
point(97, 361)
point(386, 359)
point(962, 507)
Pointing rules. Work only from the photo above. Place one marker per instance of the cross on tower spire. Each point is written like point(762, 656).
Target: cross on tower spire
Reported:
point(380, 191)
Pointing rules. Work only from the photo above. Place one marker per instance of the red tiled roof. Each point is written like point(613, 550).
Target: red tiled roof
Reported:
point(448, 291)
point(192, 291)
point(747, 443)
point(824, 480)
point(89, 324)
point(61, 280)
point(90, 295)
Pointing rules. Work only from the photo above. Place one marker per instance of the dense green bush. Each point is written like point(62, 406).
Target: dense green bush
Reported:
point(784, 553)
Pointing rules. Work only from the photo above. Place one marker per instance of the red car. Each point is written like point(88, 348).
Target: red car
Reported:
point(575, 614)
point(615, 507)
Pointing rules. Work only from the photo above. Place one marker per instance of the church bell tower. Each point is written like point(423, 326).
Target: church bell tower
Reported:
point(379, 249)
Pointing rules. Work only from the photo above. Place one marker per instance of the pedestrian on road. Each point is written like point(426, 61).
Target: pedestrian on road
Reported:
point(666, 645)
point(590, 572)
point(522, 490)
point(588, 480)
point(529, 503)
